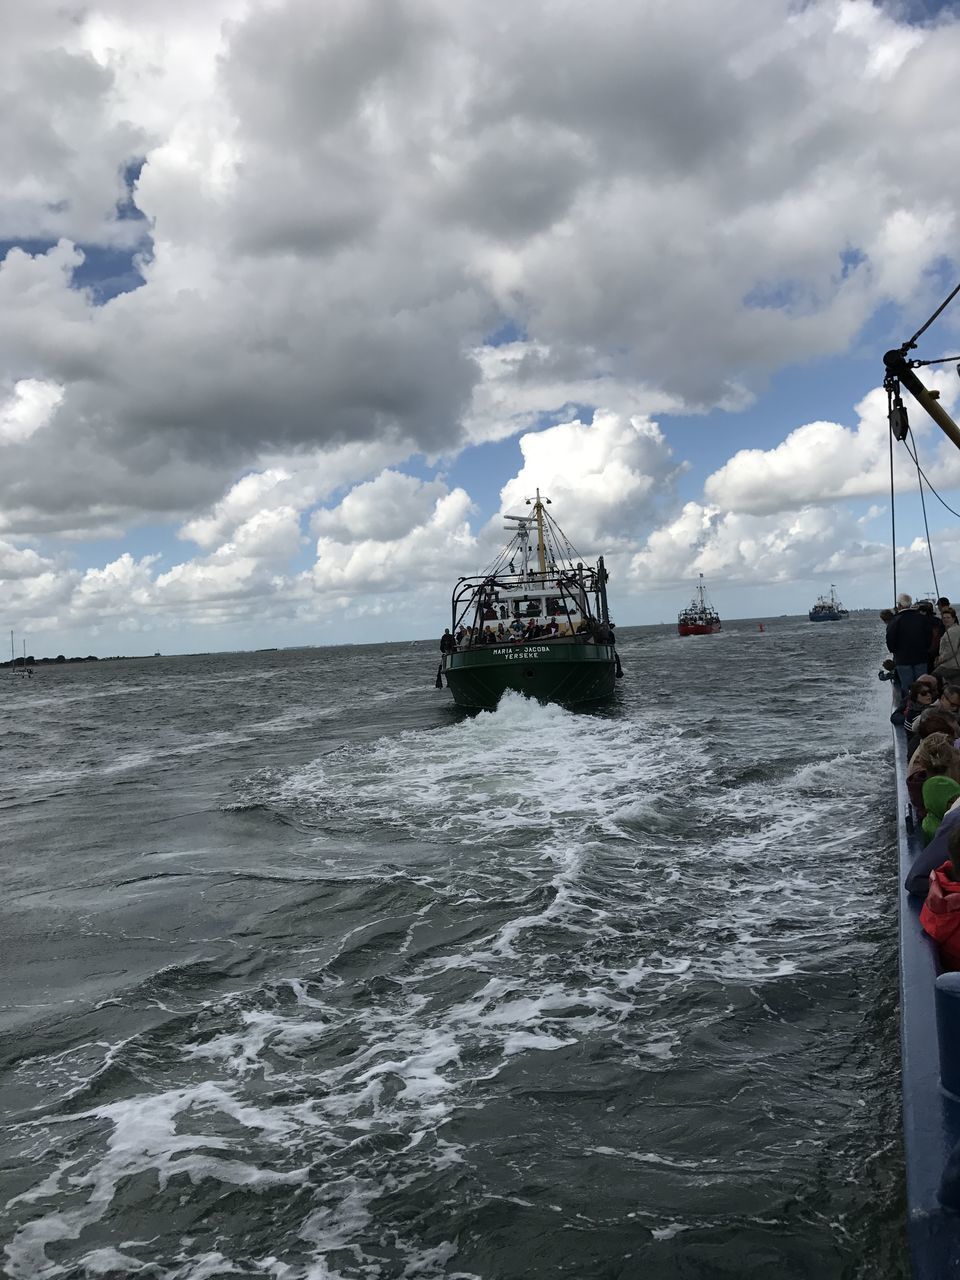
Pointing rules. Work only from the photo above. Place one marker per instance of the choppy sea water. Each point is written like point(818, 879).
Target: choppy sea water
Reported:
point(308, 975)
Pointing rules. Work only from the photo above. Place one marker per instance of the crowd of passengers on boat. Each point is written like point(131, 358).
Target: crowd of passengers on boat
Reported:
point(925, 667)
point(517, 632)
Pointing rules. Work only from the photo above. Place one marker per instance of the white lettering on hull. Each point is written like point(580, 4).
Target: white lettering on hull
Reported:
point(513, 654)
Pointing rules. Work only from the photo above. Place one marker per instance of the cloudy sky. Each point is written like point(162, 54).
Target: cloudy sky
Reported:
point(297, 297)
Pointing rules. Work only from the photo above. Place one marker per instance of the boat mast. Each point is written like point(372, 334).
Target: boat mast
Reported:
point(700, 593)
point(541, 548)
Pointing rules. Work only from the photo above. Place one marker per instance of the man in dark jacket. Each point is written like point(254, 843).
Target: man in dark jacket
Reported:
point(925, 606)
point(909, 637)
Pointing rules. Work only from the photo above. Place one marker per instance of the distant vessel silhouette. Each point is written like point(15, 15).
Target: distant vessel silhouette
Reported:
point(699, 618)
point(828, 608)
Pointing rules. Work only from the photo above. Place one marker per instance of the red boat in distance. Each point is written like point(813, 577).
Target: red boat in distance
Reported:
point(699, 618)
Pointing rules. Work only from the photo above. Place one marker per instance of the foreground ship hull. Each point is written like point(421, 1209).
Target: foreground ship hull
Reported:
point(821, 616)
point(931, 1111)
point(549, 672)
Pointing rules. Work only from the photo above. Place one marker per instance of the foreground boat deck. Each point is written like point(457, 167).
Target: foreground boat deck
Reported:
point(931, 1116)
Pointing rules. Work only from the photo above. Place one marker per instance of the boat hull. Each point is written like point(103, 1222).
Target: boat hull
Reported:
point(698, 628)
point(826, 617)
point(565, 673)
point(931, 1114)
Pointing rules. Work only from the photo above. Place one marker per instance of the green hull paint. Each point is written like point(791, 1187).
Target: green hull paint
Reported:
point(564, 673)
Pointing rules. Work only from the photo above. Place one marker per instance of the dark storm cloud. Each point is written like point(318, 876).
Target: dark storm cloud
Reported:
point(179, 392)
point(62, 154)
point(639, 83)
point(343, 199)
point(294, 74)
point(514, 179)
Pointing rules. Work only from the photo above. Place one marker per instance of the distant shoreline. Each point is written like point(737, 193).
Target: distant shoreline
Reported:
point(61, 660)
point(18, 664)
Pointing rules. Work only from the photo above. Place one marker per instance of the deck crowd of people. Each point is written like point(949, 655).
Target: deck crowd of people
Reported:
point(520, 632)
point(925, 643)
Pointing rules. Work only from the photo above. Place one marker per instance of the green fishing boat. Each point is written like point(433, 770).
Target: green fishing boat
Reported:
point(537, 622)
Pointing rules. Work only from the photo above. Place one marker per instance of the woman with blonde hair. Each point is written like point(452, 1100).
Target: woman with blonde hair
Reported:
point(936, 757)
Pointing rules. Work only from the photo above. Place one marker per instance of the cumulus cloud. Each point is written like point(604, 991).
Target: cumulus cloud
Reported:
point(824, 461)
point(524, 383)
point(336, 210)
point(398, 534)
point(733, 547)
point(383, 509)
point(216, 586)
point(244, 501)
point(21, 563)
point(273, 534)
point(124, 579)
point(601, 476)
point(28, 408)
point(433, 552)
point(669, 205)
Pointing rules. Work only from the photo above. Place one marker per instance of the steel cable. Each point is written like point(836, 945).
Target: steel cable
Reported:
point(908, 346)
point(912, 451)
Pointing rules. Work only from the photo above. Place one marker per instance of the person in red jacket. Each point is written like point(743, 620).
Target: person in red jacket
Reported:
point(940, 915)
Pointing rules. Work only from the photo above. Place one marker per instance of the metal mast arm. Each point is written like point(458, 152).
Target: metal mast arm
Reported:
point(898, 366)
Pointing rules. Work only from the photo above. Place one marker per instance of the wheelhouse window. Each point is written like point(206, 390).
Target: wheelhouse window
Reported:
point(531, 608)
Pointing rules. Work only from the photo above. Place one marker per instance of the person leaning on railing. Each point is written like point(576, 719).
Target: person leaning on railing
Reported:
point(947, 663)
point(936, 631)
point(921, 696)
point(908, 638)
point(946, 708)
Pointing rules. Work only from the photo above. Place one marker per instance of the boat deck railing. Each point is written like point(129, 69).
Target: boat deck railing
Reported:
point(508, 643)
